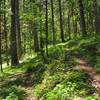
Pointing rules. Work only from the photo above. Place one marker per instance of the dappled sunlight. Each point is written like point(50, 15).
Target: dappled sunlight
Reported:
point(86, 67)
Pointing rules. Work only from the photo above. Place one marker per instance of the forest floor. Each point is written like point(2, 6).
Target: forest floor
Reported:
point(22, 81)
point(27, 84)
point(71, 71)
point(85, 66)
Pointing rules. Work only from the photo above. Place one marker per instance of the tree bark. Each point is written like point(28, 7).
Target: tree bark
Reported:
point(82, 18)
point(97, 17)
point(46, 23)
point(13, 51)
point(18, 30)
point(1, 37)
point(53, 28)
point(61, 21)
point(6, 34)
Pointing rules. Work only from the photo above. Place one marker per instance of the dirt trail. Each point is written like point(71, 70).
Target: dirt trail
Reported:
point(86, 67)
point(28, 86)
point(29, 92)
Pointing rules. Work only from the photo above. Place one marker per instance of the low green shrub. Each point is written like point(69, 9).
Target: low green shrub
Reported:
point(35, 67)
point(8, 93)
point(56, 52)
point(12, 96)
point(69, 86)
point(77, 76)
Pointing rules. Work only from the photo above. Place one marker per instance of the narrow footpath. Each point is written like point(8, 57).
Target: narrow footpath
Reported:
point(86, 67)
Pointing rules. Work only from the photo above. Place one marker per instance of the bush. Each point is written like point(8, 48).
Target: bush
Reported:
point(56, 52)
point(77, 76)
point(35, 67)
point(10, 92)
point(12, 96)
point(74, 84)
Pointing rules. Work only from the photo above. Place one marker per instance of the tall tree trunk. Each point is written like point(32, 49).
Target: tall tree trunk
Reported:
point(23, 34)
point(82, 18)
point(46, 23)
point(1, 37)
point(13, 51)
point(30, 31)
point(35, 34)
point(18, 30)
point(61, 21)
point(30, 37)
point(68, 20)
point(41, 31)
point(24, 42)
point(41, 40)
point(35, 31)
point(91, 22)
point(53, 28)
point(6, 34)
point(97, 17)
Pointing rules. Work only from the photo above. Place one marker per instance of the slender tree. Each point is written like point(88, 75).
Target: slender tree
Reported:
point(35, 35)
point(68, 21)
point(35, 30)
point(53, 27)
point(97, 17)
point(82, 18)
point(6, 33)
point(61, 21)
point(13, 51)
point(46, 28)
point(23, 33)
point(41, 33)
point(41, 23)
point(18, 29)
point(1, 36)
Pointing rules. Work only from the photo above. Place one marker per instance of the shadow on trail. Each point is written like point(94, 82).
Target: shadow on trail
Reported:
point(21, 82)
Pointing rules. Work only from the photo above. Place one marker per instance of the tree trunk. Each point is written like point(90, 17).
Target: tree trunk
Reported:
point(46, 23)
point(35, 34)
point(18, 30)
point(6, 34)
point(1, 37)
point(82, 18)
point(13, 51)
point(53, 29)
point(68, 21)
point(61, 22)
point(97, 17)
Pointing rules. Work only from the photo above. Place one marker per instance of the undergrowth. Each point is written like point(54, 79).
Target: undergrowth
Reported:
point(56, 78)
point(61, 81)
